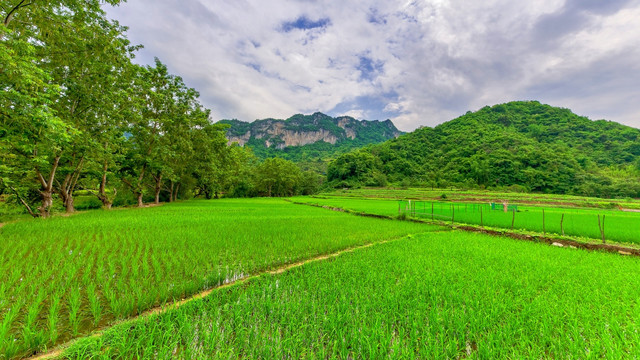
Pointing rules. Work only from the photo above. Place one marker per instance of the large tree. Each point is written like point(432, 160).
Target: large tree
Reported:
point(160, 131)
point(59, 55)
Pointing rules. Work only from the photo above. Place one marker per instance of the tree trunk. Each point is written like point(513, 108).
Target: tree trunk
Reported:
point(65, 195)
point(140, 203)
point(68, 186)
point(171, 191)
point(47, 201)
point(175, 197)
point(69, 205)
point(158, 188)
point(46, 192)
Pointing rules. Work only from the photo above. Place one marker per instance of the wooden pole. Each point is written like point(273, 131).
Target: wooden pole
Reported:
point(561, 224)
point(513, 219)
point(601, 227)
point(453, 215)
point(431, 211)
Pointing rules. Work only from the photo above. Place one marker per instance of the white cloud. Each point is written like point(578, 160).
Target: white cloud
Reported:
point(434, 60)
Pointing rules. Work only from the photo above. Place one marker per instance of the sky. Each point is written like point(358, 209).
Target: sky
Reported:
point(418, 63)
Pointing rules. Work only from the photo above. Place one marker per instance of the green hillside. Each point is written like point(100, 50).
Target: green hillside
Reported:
point(523, 145)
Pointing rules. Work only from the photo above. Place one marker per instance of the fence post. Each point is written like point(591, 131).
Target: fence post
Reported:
point(601, 228)
point(544, 230)
point(453, 215)
point(431, 211)
point(513, 219)
point(561, 224)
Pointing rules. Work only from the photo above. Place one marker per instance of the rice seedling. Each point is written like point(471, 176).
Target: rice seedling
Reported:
point(618, 226)
point(435, 296)
point(97, 267)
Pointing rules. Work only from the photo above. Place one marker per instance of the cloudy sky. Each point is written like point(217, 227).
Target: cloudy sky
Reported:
point(418, 63)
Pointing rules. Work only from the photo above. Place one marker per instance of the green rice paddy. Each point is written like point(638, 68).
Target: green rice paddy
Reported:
point(427, 293)
point(619, 226)
point(63, 277)
point(446, 295)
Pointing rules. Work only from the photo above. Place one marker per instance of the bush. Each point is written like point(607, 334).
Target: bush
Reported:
point(86, 202)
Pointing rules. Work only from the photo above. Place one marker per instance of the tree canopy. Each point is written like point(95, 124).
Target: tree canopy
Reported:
point(526, 145)
point(77, 115)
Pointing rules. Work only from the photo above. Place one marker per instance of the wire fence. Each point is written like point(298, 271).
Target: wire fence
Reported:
point(583, 223)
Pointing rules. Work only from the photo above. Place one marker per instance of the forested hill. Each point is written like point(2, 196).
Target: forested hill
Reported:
point(305, 137)
point(524, 145)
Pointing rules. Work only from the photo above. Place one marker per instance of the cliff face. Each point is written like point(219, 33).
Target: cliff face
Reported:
point(301, 130)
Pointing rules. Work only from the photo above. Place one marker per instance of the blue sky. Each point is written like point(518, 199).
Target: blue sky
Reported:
point(418, 63)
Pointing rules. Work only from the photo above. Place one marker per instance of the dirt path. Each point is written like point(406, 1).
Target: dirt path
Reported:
point(57, 351)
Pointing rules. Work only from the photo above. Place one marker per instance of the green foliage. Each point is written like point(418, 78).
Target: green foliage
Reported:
point(527, 144)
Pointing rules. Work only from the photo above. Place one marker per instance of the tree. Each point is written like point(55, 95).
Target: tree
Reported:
point(212, 160)
point(277, 177)
point(56, 53)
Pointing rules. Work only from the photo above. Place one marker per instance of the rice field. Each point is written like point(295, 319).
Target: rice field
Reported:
point(63, 277)
point(485, 196)
point(449, 295)
point(619, 226)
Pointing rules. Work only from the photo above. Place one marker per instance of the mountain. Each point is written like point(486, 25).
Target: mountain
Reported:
point(308, 136)
point(522, 145)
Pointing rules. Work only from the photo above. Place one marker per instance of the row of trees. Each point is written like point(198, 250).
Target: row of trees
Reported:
point(76, 113)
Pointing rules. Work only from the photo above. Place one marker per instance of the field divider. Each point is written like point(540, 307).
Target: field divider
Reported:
point(59, 350)
point(553, 241)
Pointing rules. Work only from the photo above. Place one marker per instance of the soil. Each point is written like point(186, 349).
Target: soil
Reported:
point(622, 250)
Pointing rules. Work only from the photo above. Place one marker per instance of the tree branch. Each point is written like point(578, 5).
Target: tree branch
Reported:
point(53, 171)
point(7, 19)
point(23, 201)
